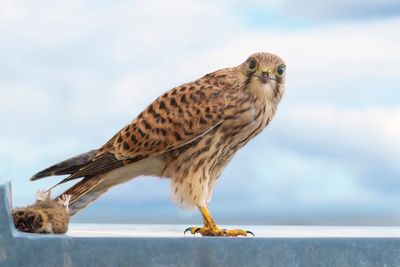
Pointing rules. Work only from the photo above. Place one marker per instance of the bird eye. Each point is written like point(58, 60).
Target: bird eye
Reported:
point(280, 70)
point(252, 64)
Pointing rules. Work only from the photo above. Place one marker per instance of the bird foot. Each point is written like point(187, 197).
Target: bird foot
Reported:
point(215, 231)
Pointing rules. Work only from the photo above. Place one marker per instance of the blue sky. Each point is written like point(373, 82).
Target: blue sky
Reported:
point(75, 72)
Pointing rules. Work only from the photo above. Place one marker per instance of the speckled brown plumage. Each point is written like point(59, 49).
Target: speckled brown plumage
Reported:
point(188, 134)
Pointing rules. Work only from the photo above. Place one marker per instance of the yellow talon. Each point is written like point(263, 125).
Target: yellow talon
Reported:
point(211, 229)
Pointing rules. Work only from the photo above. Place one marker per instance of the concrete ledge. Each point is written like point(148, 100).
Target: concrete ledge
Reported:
point(118, 245)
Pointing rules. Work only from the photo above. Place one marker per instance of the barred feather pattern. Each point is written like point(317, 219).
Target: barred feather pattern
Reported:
point(189, 134)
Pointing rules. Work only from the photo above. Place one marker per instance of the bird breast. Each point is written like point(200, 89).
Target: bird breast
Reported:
point(246, 118)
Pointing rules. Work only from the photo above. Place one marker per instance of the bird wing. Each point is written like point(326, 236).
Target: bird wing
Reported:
point(176, 118)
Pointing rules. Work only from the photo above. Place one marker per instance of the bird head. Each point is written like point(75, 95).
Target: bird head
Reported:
point(264, 73)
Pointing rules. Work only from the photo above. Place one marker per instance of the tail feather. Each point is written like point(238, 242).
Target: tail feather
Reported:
point(68, 166)
point(84, 192)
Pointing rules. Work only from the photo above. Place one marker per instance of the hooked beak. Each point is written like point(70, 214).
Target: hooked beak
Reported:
point(264, 77)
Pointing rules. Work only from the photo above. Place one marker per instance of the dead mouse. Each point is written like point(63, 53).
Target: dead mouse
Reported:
point(45, 216)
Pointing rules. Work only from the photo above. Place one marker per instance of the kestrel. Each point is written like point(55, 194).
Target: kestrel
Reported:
point(189, 134)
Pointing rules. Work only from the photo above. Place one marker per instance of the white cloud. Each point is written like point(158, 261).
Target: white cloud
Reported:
point(330, 10)
point(11, 11)
point(358, 133)
point(340, 63)
point(347, 154)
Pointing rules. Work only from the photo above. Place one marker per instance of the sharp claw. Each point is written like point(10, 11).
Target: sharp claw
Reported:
point(189, 229)
point(250, 232)
point(195, 230)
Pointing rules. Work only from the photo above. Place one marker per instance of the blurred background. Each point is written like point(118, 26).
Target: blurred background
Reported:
point(72, 73)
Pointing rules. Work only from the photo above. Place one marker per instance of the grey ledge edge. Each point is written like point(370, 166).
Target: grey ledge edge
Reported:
point(22, 249)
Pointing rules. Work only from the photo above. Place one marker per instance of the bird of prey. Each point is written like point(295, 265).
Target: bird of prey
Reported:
point(189, 134)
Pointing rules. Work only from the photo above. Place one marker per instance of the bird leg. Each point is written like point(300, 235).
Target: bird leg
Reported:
point(211, 229)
